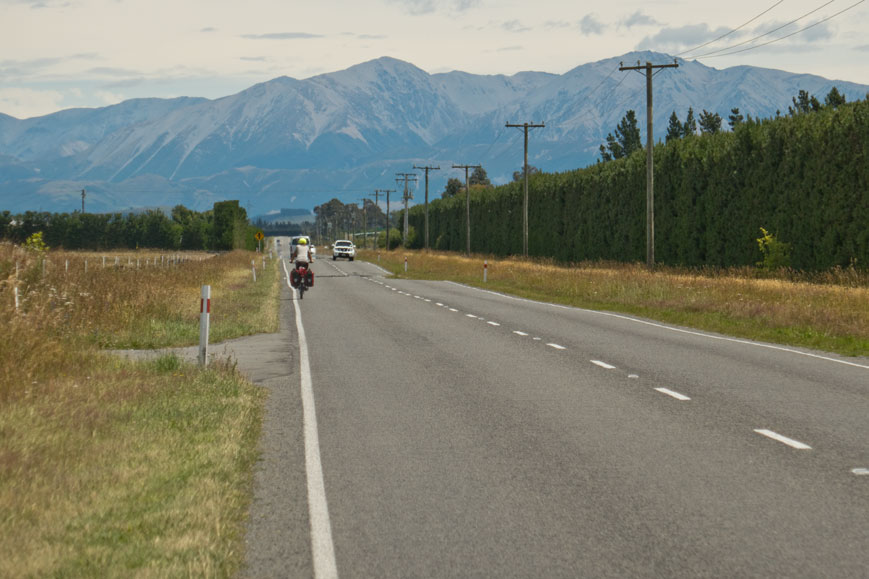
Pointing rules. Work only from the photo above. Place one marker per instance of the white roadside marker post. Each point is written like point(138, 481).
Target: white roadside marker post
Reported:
point(15, 291)
point(485, 269)
point(405, 264)
point(253, 269)
point(204, 315)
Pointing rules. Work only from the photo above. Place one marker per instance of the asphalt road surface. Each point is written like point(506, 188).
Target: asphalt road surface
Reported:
point(463, 433)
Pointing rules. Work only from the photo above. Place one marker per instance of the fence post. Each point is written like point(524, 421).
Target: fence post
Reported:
point(204, 315)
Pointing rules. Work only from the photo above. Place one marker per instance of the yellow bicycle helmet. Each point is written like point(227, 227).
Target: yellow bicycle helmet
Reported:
point(303, 241)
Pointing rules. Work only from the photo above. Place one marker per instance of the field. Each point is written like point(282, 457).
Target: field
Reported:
point(827, 311)
point(115, 468)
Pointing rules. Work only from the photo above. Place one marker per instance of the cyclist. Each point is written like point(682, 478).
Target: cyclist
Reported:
point(302, 256)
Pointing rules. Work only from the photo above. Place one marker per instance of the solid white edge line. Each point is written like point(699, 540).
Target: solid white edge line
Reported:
point(783, 439)
point(603, 364)
point(322, 546)
point(670, 328)
point(675, 395)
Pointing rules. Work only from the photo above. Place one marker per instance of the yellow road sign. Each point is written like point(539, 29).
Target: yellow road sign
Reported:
point(259, 236)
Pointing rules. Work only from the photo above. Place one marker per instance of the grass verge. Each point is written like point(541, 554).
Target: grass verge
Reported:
point(115, 468)
point(828, 311)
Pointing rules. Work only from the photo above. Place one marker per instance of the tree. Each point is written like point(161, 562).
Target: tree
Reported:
point(479, 177)
point(453, 188)
point(674, 129)
point(520, 175)
point(626, 139)
point(804, 103)
point(710, 123)
point(690, 126)
point(834, 98)
point(735, 118)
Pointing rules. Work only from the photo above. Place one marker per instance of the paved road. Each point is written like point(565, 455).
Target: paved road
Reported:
point(467, 434)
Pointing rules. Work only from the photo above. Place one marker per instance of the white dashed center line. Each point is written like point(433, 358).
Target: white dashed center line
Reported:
point(603, 364)
point(493, 323)
point(517, 332)
point(860, 471)
point(556, 346)
point(453, 310)
point(470, 315)
point(783, 439)
point(675, 395)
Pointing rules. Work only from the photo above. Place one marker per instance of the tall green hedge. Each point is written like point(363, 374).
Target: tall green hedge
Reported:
point(804, 178)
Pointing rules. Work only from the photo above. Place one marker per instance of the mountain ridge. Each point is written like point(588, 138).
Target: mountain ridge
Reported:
point(297, 143)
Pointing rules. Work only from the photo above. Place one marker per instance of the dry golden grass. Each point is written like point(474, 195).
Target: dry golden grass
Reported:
point(828, 311)
point(111, 468)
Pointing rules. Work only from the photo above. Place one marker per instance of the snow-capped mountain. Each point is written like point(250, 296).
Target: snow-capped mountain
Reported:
point(298, 143)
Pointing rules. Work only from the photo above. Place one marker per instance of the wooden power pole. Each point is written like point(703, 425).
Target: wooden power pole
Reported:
point(467, 204)
point(525, 126)
point(406, 197)
point(650, 171)
point(387, 192)
point(426, 169)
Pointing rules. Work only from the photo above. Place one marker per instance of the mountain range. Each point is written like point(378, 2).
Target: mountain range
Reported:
point(290, 143)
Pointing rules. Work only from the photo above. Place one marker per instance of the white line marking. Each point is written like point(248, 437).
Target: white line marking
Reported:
point(680, 330)
point(519, 333)
point(427, 300)
point(493, 323)
point(634, 376)
point(675, 395)
point(453, 310)
point(417, 297)
point(470, 315)
point(536, 339)
point(557, 346)
point(860, 471)
point(603, 364)
point(783, 439)
point(322, 546)
point(438, 304)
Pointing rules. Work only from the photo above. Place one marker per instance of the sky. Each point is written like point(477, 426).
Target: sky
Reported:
point(60, 54)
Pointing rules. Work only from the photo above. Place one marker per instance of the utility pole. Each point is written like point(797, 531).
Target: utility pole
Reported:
point(407, 195)
point(426, 169)
point(650, 170)
point(387, 191)
point(376, 196)
point(525, 126)
point(467, 203)
point(82, 201)
point(364, 224)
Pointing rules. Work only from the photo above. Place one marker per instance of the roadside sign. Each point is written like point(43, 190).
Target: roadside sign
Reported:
point(259, 236)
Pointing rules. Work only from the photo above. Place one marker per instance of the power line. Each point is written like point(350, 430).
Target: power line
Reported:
point(732, 31)
point(801, 30)
point(715, 52)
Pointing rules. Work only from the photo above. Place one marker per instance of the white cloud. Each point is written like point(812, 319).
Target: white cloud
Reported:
point(514, 26)
point(590, 24)
point(109, 98)
point(24, 103)
point(638, 18)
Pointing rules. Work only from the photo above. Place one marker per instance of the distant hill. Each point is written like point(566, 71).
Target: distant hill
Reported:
point(290, 143)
